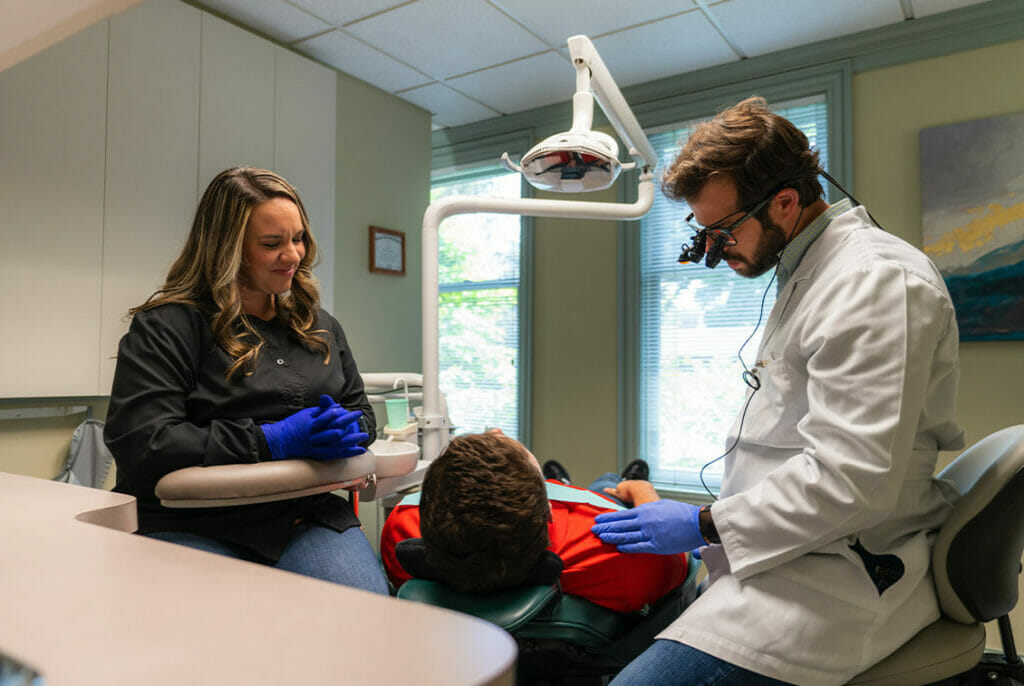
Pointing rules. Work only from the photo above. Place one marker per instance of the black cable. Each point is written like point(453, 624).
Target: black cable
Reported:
point(750, 375)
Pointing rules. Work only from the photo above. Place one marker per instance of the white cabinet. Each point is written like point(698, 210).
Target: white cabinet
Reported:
point(152, 158)
point(305, 120)
point(102, 163)
point(52, 126)
point(236, 112)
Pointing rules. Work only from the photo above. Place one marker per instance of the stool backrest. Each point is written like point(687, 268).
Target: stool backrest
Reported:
point(977, 554)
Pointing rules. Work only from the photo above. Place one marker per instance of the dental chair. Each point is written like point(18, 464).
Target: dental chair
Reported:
point(563, 639)
point(976, 563)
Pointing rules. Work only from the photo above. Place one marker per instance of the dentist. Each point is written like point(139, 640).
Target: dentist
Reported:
point(818, 547)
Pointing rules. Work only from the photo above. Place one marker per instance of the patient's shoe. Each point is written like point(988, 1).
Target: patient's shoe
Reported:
point(554, 470)
point(637, 469)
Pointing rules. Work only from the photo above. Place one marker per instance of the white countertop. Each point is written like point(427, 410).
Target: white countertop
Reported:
point(85, 602)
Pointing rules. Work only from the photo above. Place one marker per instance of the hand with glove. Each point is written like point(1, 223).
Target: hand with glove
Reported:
point(341, 437)
point(665, 527)
point(293, 436)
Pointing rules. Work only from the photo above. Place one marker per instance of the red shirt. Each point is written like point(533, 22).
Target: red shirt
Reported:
point(594, 570)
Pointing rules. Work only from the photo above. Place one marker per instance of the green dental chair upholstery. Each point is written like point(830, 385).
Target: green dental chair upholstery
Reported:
point(562, 638)
point(976, 562)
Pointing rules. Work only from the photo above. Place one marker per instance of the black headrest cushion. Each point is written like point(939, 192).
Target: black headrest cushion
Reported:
point(412, 555)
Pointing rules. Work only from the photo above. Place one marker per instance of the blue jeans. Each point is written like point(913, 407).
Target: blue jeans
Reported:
point(606, 480)
point(316, 551)
point(670, 663)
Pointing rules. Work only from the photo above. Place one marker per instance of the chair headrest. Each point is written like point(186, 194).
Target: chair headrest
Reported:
point(412, 555)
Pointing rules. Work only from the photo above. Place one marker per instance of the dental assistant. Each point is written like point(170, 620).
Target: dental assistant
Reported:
point(818, 548)
point(234, 361)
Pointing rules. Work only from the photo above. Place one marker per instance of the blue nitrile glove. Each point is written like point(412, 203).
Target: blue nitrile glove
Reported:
point(290, 436)
point(341, 437)
point(665, 527)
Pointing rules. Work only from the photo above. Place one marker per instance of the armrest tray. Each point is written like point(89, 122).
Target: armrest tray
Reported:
point(243, 484)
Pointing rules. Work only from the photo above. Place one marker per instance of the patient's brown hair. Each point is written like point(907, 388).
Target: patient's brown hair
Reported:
point(484, 513)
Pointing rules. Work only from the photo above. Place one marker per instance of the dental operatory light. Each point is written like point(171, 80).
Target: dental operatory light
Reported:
point(578, 160)
point(581, 159)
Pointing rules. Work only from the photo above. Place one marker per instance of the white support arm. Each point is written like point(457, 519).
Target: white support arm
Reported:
point(582, 50)
point(432, 423)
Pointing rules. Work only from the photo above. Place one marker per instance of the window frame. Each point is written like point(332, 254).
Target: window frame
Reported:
point(483, 164)
point(834, 81)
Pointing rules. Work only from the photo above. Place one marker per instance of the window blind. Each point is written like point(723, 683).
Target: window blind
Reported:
point(479, 284)
point(693, 323)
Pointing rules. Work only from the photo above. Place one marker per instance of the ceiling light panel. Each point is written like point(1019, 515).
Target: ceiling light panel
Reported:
point(664, 48)
point(555, 21)
point(342, 13)
point(446, 38)
point(448, 107)
point(759, 28)
point(274, 18)
point(352, 57)
point(521, 85)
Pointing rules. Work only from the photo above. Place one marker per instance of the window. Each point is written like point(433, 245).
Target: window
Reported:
point(482, 304)
point(693, 323)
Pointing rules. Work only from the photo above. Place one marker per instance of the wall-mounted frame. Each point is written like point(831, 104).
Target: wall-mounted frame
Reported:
point(387, 251)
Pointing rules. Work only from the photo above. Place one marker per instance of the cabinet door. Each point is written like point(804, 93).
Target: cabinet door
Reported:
point(152, 157)
point(236, 113)
point(52, 131)
point(305, 121)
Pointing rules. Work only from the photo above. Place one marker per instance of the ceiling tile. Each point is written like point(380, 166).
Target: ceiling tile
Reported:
point(923, 8)
point(789, 23)
point(449, 108)
point(274, 18)
point(341, 13)
point(664, 48)
point(556, 21)
point(352, 57)
point(521, 85)
point(446, 38)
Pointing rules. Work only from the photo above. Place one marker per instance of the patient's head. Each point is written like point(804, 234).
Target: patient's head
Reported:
point(484, 512)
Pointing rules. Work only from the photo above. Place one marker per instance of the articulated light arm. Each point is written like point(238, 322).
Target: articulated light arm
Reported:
point(584, 55)
point(435, 431)
point(578, 160)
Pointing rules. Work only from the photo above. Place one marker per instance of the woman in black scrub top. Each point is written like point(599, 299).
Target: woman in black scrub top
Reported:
point(233, 361)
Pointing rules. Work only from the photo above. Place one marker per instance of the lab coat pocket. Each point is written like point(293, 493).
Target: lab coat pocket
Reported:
point(774, 410)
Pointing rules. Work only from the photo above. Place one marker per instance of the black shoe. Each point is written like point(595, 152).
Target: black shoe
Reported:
point(637, 469)
point(554, 470)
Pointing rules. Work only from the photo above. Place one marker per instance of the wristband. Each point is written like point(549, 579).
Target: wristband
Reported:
point(707, 526)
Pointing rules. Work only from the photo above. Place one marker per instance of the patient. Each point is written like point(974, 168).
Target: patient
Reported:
point(487, 515)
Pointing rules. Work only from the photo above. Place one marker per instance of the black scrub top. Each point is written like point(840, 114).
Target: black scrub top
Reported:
point(172, 407)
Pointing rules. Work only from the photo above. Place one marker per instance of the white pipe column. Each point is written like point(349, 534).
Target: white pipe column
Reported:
point(432, 422)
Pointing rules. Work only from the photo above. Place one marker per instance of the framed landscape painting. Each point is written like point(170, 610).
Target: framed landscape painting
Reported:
point(972, 200)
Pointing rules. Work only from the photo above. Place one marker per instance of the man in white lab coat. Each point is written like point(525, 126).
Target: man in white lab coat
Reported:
point(818, 548)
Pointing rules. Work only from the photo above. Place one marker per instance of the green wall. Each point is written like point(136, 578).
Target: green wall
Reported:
point(575, 349)
point(890, 107)
point(383, 176)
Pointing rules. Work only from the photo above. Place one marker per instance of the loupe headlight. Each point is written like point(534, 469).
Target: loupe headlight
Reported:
point(707, 245)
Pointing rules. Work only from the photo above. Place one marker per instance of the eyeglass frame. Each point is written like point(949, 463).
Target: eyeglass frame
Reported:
point(728, 231)
point(721, 238)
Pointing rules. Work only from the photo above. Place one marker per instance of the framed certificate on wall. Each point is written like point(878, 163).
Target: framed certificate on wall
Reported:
point(387, 251)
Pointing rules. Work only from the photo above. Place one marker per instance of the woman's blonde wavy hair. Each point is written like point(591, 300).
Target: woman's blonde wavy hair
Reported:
point(206, 273)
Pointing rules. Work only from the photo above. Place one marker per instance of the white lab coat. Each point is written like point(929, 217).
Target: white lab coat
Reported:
point(858, 369)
